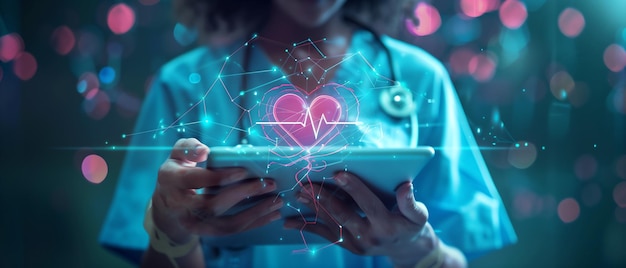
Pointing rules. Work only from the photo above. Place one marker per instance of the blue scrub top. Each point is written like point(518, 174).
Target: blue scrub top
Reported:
point(464, 206)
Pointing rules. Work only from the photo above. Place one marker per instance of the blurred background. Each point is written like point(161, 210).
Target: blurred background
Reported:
point(543, 83)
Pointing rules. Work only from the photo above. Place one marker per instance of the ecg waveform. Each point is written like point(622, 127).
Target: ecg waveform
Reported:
point(309, 118)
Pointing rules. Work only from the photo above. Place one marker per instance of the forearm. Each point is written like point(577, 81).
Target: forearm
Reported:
point(153, 258)
point(434, 253)
point(442, 257)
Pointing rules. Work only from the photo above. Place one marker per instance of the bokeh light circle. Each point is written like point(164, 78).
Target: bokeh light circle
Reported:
point(107, 75)
point(561, 84)
point(94, 168)
point(63, 40)
point(11, 45)
point(615, 57)
point(25, 66)
point(619, 194)
point(120, 18)
point(98, 105)
point(459, 60)
point(585, 167)
point(568, 210)
point(522, 154)
point(476, 8)
point(429, 20)
point(482, 67)
point(87, 82)
point(571, 22)
point(513, 14)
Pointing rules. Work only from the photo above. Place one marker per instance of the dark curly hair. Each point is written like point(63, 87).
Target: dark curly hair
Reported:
point(225, 19)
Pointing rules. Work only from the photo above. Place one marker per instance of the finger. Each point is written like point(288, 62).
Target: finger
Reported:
point(333, 235)
point(172, 173)
point(369, 203)
point(189, 152)
point(330, 208)
point(230, 196)
point(414, 211)
point(318, 228)
point(261, 214)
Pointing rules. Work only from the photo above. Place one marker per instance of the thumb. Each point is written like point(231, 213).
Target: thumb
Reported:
point(189, 152)
point(414, 211)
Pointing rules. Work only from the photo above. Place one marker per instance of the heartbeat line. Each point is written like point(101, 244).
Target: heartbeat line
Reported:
point(309, 118)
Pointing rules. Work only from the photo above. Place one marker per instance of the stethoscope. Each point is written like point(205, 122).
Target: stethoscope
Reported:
point(396, 100)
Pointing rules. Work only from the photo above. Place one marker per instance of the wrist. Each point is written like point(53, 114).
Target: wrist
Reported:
point(168, 225)
point(427, 251)
point(161, 241)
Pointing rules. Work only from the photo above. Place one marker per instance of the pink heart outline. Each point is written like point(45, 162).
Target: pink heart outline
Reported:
point(307, 125)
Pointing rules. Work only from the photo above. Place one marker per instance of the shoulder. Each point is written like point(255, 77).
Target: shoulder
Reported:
point(417, 58)
point(192, 65)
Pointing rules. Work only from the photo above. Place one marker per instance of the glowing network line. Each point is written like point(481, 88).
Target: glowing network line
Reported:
point(309, 118)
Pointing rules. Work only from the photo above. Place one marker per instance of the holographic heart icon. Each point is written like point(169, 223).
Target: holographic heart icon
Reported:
point(290, 116)
point(307, 124)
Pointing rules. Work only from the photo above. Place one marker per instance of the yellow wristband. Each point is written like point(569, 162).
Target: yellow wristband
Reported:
point(434, 259)
point(161, 243)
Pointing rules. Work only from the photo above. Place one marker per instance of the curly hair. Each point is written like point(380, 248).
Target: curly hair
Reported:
point(225, 19)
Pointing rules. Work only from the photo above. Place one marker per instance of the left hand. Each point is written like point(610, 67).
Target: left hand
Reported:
point(404, 235)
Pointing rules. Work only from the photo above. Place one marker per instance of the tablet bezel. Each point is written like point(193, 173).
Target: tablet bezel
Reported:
point(382, 169)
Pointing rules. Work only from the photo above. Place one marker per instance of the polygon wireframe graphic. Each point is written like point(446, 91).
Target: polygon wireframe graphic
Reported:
point(271, 111)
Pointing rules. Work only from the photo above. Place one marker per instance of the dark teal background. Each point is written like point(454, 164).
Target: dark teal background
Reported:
point(50, 215)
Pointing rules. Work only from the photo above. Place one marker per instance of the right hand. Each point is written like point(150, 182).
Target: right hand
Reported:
point(182, 213)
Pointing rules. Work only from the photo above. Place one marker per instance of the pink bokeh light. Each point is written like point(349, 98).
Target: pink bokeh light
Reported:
point(98, 106)
point(571, 22)
point(522, 154)
point(120, 18)
point(482, 67)
point(25, 66)
point(429, 20)
point(615, 57)
point(513, 14)
point(568, 210)
point(94, 168)
point(63, 40)
point(561, 84)
point(585, 167)
point(619, 194)
point(11, 45)
point(477, 8)
point(459, 60)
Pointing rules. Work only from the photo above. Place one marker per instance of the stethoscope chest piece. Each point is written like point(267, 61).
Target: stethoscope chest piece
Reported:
point(397, 101)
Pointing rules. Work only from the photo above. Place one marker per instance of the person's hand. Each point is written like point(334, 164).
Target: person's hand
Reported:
point(181, 212)
point(405, 236)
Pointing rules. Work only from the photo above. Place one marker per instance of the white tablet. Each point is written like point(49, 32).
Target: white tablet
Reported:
point(382, 169)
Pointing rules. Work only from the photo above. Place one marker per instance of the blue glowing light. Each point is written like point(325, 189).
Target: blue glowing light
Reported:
point(81, 87)
point(458, 31)
point(107, 75)
point(194, 78)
